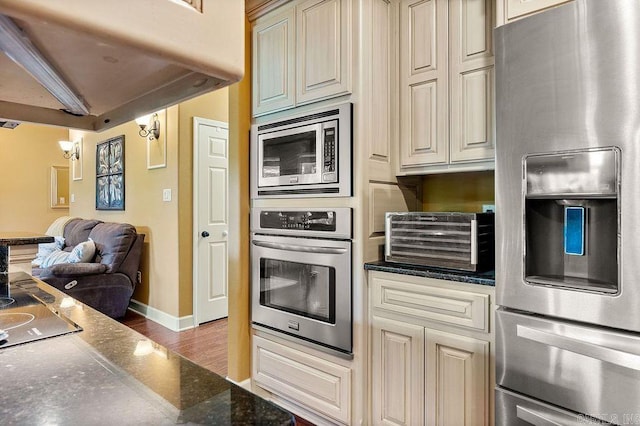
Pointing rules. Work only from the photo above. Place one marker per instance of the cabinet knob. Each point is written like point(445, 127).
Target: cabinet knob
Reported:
point(225, 233)
point(205, 234)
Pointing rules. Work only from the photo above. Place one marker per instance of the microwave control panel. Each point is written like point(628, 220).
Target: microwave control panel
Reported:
point(329, 155)
point(299, 220)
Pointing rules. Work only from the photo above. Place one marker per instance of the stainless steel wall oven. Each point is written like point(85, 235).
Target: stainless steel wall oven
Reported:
point(303, 156)
point(301, 275)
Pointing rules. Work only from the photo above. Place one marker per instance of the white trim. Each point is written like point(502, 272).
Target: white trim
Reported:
point(171, 322)
point(197, 121)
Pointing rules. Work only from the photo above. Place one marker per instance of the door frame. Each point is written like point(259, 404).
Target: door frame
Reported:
point(197, 121)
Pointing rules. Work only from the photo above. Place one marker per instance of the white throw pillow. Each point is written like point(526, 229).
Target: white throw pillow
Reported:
point(83, 252)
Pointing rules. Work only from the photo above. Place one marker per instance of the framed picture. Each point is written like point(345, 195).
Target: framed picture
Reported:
point(110, 174)
point(76, 165)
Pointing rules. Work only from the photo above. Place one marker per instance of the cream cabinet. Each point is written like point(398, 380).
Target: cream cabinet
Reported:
point(299, 379)
point(446, 79)
point(511, 10)
point(301, 54)
point(431, 351)
point(273, 41)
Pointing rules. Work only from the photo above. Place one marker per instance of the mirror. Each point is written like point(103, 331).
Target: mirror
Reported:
point(59, 187)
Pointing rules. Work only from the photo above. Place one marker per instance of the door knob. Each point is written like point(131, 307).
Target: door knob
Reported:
point(225, 233)
point(204, 234)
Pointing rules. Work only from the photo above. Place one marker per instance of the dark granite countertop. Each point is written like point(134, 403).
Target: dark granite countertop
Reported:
point(482, 278)
point(94, 376)
point(23, 238)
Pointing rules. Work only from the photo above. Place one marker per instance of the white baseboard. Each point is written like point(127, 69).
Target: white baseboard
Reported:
point(171, 322)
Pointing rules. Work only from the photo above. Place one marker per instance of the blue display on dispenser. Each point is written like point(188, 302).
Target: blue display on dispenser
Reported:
point(574, 230)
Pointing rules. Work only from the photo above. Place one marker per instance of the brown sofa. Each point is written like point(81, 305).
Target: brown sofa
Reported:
point(107, 282)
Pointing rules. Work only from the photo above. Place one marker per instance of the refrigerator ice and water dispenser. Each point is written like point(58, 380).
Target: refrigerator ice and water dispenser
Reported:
point(571, 202)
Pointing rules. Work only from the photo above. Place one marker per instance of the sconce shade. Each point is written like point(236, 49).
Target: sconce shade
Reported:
point(70, 150)
point(143, 121)
point(66, 146)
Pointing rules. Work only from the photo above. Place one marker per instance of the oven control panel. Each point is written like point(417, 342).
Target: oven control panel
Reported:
point(327, 223)
point(302, 220)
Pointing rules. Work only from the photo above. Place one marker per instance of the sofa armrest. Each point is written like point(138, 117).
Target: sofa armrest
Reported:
point(76, 269)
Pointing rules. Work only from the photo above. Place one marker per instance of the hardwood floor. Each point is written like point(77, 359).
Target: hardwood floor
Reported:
point(205, 345)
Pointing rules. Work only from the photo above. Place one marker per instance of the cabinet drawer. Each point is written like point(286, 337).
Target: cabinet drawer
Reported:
point(313, 382)
point(455, 307)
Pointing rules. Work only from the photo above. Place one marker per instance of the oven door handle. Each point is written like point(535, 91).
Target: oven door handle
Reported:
point(308, 249)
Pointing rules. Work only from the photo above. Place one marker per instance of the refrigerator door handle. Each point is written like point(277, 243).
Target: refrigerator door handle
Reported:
point(591, 350)
point(532, 416)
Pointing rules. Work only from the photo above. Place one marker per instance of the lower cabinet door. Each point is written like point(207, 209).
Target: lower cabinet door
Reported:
point(397, 372)
point(457, 380)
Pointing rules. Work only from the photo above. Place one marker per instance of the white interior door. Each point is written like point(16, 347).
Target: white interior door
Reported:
point(211, 219)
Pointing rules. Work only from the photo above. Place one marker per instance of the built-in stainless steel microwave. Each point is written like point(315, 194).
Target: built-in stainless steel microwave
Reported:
point(303, 156)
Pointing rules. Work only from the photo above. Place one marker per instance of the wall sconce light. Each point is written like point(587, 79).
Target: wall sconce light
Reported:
point(70, 150)
point(154, 131)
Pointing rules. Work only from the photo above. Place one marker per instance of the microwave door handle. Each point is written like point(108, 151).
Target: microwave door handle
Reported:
point(289, 247)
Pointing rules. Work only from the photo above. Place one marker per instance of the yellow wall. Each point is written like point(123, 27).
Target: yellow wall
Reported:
point(214, 106)
point(26, 156)
point(166, 264)
point(239, 332)
point(457, 192)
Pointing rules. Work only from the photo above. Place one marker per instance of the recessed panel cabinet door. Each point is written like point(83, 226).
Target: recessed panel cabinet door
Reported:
point(274, 62)
point(324, 49)
point(471, 80)
point(398, 372)
point(424, 93)
point(457, 380)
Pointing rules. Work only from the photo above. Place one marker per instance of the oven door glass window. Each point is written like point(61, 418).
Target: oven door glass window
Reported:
point(290, 155)
point(298, 288)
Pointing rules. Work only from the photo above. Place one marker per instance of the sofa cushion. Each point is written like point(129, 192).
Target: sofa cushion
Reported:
point(113, 242)
point(78, 230)
point(74, 269)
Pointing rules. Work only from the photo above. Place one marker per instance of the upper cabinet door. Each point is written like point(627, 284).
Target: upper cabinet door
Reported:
point(471, 80)
point(274, 62)
point(424, 93)
point(324, 49)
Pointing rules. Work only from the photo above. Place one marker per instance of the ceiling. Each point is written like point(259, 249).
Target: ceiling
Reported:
point(119, 73)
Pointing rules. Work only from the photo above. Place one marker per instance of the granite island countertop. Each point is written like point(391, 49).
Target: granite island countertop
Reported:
point(103, 374)
point(480, 278)
point(18, 238)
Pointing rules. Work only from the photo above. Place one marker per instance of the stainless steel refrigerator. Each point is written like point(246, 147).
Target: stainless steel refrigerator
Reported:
point(568, 216)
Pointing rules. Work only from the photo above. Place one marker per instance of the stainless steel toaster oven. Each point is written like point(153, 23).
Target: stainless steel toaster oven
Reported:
point(450, 240)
